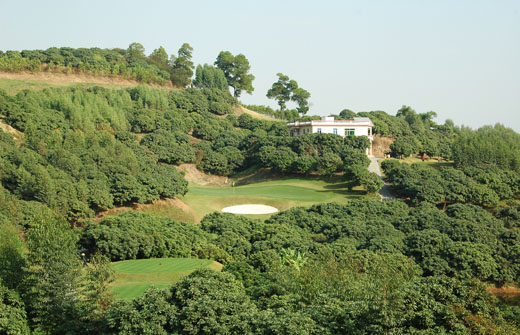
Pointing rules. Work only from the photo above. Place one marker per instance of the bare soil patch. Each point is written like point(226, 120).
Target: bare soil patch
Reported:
point(74, 78)
point(17, 135)
point(242, 110)
point(157, 207)
point(193, 175)
point(505, 291)
point(381, 145)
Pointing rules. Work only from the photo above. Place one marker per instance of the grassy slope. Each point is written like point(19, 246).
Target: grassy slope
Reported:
point(242, 110)
point(16, 82)
point(133, 277)
point(431, 162)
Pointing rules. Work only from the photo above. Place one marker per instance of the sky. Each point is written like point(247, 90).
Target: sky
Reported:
point(460, 59)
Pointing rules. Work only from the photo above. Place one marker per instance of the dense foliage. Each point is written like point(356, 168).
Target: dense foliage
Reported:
point(418, 265)
point(420, 182)
point(367, 267)
point(414, 133)
point(208, 76)
point(236, 70)
point(131, 63)
point(77, 155)
point(487, 147)
point(134, 235)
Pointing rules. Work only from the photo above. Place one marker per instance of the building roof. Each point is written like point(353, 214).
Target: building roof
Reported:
point(329, 121)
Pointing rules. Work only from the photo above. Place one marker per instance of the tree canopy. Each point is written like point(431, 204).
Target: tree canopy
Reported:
point(285, 90)
point(236, 70)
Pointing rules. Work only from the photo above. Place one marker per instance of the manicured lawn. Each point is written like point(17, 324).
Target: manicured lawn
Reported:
point(134, 277)
point(282, 193)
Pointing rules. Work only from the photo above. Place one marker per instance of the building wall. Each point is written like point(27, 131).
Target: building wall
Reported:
point(329, 129)
point(297, 131)
point(358, 131)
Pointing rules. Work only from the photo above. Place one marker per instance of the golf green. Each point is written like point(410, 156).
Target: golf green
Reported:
point(134, 277)
point(281, 193)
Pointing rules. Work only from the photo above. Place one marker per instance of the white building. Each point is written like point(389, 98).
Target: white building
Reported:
point(358, 126)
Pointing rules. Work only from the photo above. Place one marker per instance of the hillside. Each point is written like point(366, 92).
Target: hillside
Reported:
point(243, 110)
point(13, 82)
point(101, 176)
point(130, 63)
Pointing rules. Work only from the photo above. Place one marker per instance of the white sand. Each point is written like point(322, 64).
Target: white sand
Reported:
point(250, 209)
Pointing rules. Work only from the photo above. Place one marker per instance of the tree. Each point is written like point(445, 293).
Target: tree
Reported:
point(305, 164)
point(361, 176)
point(53, 275)
point(135, 53)
point(347, 114)
point(170, 147)
point(97, 295)
point(285, 90)
point(443, 305)
point(134, 234)
point(280, 159)
point(11, 256)
point(405, 145)
point(301, 97)
point(215, 163)
point(13, 318)
point(160, 58)
point(210, 302)
point(182, 67)
point(150, 314)
point(488, 147)
point(284, 321)
point(236, 70)
point(208, 76)
point(282, 90)
point(371, 182)
point(329, 163)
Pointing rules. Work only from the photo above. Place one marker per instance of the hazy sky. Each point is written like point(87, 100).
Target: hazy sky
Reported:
point(458, 58)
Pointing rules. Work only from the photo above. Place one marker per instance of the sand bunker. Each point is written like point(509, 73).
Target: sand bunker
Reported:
point(250, 209)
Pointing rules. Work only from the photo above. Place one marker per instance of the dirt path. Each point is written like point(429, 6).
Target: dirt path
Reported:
point(384, 192)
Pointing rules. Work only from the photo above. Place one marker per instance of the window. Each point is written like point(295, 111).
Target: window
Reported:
point(335, 131)
point(369, 131)
point(319, 130)
point(349, 132)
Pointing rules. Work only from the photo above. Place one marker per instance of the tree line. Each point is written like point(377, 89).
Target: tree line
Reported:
point(367, 267)
point(132, 63)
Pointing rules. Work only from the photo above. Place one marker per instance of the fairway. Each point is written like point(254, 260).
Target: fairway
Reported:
point(134, 277)
point(282, 194)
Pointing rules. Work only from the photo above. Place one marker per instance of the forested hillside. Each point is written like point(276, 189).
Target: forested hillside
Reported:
point(423, 263)
point(85, 150)
point(130, 63)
